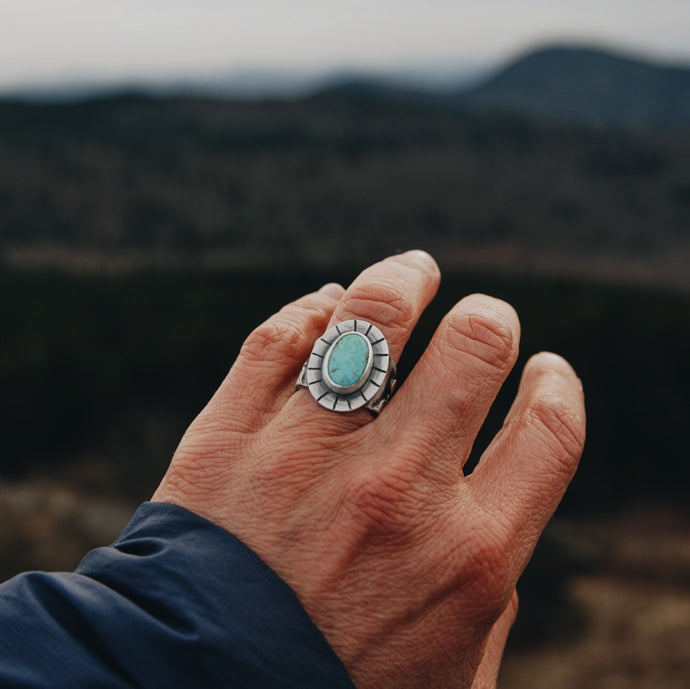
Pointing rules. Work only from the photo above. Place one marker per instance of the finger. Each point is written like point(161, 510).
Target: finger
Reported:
point(266, 370)
point(487, 673)
point(391, 295)
point(523, 474)
point(446, 398)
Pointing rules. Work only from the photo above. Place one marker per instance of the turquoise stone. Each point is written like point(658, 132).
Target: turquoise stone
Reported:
point(348, 361)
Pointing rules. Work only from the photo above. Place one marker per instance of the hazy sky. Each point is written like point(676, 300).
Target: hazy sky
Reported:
point(44, 40)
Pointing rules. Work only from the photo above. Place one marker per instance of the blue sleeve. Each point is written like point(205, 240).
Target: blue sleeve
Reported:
point(175, 602)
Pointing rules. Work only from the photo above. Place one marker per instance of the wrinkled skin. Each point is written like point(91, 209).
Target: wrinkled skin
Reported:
point(406, 565)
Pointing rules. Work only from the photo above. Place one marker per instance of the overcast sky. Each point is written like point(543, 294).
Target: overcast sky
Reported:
point(47, 40)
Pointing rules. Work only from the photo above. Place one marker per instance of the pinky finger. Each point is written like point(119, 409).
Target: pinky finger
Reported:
point(524, 472)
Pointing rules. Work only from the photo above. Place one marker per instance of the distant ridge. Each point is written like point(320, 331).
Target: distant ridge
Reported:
point(371, 89)
point(256, 84)
point(587, 86)
point(579, 85)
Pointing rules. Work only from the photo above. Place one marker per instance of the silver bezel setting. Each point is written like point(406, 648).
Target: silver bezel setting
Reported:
point(372, 391)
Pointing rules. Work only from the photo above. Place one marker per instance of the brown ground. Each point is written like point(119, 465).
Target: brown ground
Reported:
point(633, 600)
point(635, 605)
point(638, 636)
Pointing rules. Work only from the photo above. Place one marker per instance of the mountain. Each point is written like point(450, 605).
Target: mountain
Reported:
point(575, 85)
point(586, 86)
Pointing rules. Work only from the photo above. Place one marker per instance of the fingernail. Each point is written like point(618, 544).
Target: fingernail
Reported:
point(333, 290)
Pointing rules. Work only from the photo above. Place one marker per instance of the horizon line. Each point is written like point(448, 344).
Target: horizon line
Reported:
point(270, 79)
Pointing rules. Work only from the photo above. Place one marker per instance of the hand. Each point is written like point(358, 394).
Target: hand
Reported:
point(407, 566)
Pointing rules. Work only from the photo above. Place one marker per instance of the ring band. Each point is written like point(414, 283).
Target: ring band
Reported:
point(350, 367)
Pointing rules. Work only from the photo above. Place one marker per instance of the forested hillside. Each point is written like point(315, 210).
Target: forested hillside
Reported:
point(331, 180)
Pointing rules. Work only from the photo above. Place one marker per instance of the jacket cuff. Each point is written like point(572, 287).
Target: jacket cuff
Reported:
point(176, 601)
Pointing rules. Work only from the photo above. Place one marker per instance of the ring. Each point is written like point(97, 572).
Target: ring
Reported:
point(350, 367)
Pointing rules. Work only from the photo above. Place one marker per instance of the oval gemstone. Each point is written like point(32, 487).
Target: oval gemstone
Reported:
point(348, 361)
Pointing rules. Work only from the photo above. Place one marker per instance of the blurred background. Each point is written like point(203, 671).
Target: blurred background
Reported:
point(172, 172)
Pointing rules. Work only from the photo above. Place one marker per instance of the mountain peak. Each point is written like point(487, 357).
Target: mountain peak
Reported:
point(589, 85)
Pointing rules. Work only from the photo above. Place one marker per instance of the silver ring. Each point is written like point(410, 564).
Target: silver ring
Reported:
point(350, 367)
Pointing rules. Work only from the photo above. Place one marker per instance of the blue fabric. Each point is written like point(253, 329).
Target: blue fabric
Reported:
point(175, 602)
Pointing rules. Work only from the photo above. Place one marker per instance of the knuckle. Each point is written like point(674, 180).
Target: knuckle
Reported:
point(484, 338)
point(562, 428)
point(311, 309)
point(380, 501)
point(287, 333)
point(383, 303)
point(278, 336)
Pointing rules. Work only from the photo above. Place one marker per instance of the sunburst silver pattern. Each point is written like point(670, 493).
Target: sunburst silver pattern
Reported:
point(372, 389)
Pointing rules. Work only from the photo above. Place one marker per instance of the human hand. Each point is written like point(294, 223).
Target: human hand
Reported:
point(406, 565)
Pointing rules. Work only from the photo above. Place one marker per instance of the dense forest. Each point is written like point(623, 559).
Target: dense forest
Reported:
point(333, 180)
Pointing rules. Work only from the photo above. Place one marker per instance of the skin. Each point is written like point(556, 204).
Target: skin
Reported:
point(406, 565)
